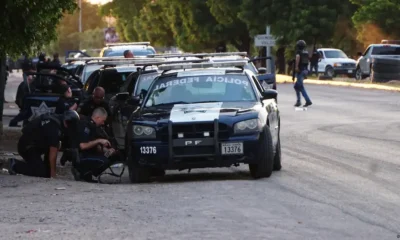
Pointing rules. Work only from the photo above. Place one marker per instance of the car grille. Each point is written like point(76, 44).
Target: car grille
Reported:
point(195, 130)
point(349, 65)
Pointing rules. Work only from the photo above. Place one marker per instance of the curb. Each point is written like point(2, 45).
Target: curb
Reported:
point(288, 79)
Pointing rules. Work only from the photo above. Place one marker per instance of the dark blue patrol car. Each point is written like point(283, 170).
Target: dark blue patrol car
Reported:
point(204, 115)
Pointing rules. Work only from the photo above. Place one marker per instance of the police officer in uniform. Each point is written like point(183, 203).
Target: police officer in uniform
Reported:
point(96, 153)
point(42, 136)
point(301, 66)
point(95, 101)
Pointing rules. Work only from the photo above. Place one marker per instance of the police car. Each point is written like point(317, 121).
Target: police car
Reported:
point(209, 115)
point(112, 75)
point(135, 87)
point(137, 48)
point(267, 79)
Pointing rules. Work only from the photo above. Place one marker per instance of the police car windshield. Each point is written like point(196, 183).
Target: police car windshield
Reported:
point(386, 50)
point(144, 82)
point(204, 88)
point(335, 54)
point(120, 52)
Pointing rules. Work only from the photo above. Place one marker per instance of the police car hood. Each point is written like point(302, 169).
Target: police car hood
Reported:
point(203, 112)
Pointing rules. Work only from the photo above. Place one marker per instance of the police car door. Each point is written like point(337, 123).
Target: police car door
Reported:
point(121, 110)
point(271, 107)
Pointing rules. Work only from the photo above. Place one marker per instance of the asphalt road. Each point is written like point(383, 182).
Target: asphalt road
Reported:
point(340, 180)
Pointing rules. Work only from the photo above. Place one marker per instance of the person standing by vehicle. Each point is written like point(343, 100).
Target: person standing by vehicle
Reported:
point(301, 65)
point(42, 136)
point(56, 60)
point(24, 88)
point(128, 54)
point(96, 153)
point(314, 62)
point(65, 102)
point(95, 101)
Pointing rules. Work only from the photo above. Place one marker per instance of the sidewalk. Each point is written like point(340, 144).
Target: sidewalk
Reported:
point(288, 79)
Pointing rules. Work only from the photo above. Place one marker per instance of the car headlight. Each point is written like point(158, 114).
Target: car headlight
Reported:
point(143, 132)
point(337, 65)
point(246, 126)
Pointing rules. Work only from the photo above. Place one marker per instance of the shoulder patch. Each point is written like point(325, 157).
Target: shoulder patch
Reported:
point(87, 130)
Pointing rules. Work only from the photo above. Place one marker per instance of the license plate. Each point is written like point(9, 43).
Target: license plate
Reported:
point(350, 71)
point(231, 148)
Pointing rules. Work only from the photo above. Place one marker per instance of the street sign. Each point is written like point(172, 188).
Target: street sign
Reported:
point(267, 41)
point(264, 40)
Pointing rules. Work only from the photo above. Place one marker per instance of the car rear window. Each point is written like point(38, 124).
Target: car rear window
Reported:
point(386, 50)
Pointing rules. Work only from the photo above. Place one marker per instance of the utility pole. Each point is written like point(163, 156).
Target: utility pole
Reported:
point(80, 16)
point(80, 23)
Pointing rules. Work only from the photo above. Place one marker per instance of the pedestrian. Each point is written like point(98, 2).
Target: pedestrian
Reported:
point(128, 54)
point(24, 89)
point(42, 136)
point(314, 62)
point(95, 152)
point(56, 60)
point(301, 66)
point(26, 66)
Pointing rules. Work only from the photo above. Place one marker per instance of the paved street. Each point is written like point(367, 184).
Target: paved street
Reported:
point(340, 180)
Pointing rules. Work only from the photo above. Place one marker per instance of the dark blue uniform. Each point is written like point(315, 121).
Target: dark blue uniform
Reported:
point(37, 137)
point(92, 162)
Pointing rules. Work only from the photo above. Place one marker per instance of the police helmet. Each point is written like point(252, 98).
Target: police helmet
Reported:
point(301, 44)
point(70, 117)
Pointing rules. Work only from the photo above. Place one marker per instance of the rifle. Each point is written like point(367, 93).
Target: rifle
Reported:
point(293, 70)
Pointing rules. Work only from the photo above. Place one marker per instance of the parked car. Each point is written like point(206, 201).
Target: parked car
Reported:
point(364, 63)
point(335, 62)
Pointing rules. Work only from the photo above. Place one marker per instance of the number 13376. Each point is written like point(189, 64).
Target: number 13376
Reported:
point(148, 150)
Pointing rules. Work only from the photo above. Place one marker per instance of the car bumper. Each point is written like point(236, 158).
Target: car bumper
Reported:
point(346, 71)
point(179, 154)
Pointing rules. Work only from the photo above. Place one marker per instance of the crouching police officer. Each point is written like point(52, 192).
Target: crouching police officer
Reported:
point(96, 154)
point(42, 136)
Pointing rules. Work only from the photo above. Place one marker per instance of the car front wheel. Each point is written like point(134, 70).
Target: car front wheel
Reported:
point(265, 157)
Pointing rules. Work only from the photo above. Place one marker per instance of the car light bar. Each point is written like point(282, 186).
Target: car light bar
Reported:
point(173, 62)
point(198, 54)
point(127, 44)
point(227, 64)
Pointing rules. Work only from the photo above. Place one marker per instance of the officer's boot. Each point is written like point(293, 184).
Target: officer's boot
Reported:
point(298, 104)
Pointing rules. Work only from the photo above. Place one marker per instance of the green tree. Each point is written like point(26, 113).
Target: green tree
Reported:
point(377, 19)
point(68, 36)
point(27, 26)
point(151, 24)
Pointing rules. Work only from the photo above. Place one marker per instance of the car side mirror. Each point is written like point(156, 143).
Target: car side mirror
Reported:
point(262, 70)
point(135, 100)
point(269, 94)
point(122, 96)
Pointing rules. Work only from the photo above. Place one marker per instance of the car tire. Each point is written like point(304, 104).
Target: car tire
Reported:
point(329, 71)
point(265, 157)
point(278, 156)
point(359, 75)
point(138, 174)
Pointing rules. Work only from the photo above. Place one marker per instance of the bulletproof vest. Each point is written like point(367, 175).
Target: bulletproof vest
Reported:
point(34, 126)
point(304, 59)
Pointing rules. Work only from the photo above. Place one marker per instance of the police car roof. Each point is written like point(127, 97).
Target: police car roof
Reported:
point(202, 71)
point(123, 68)
point(329, 49)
